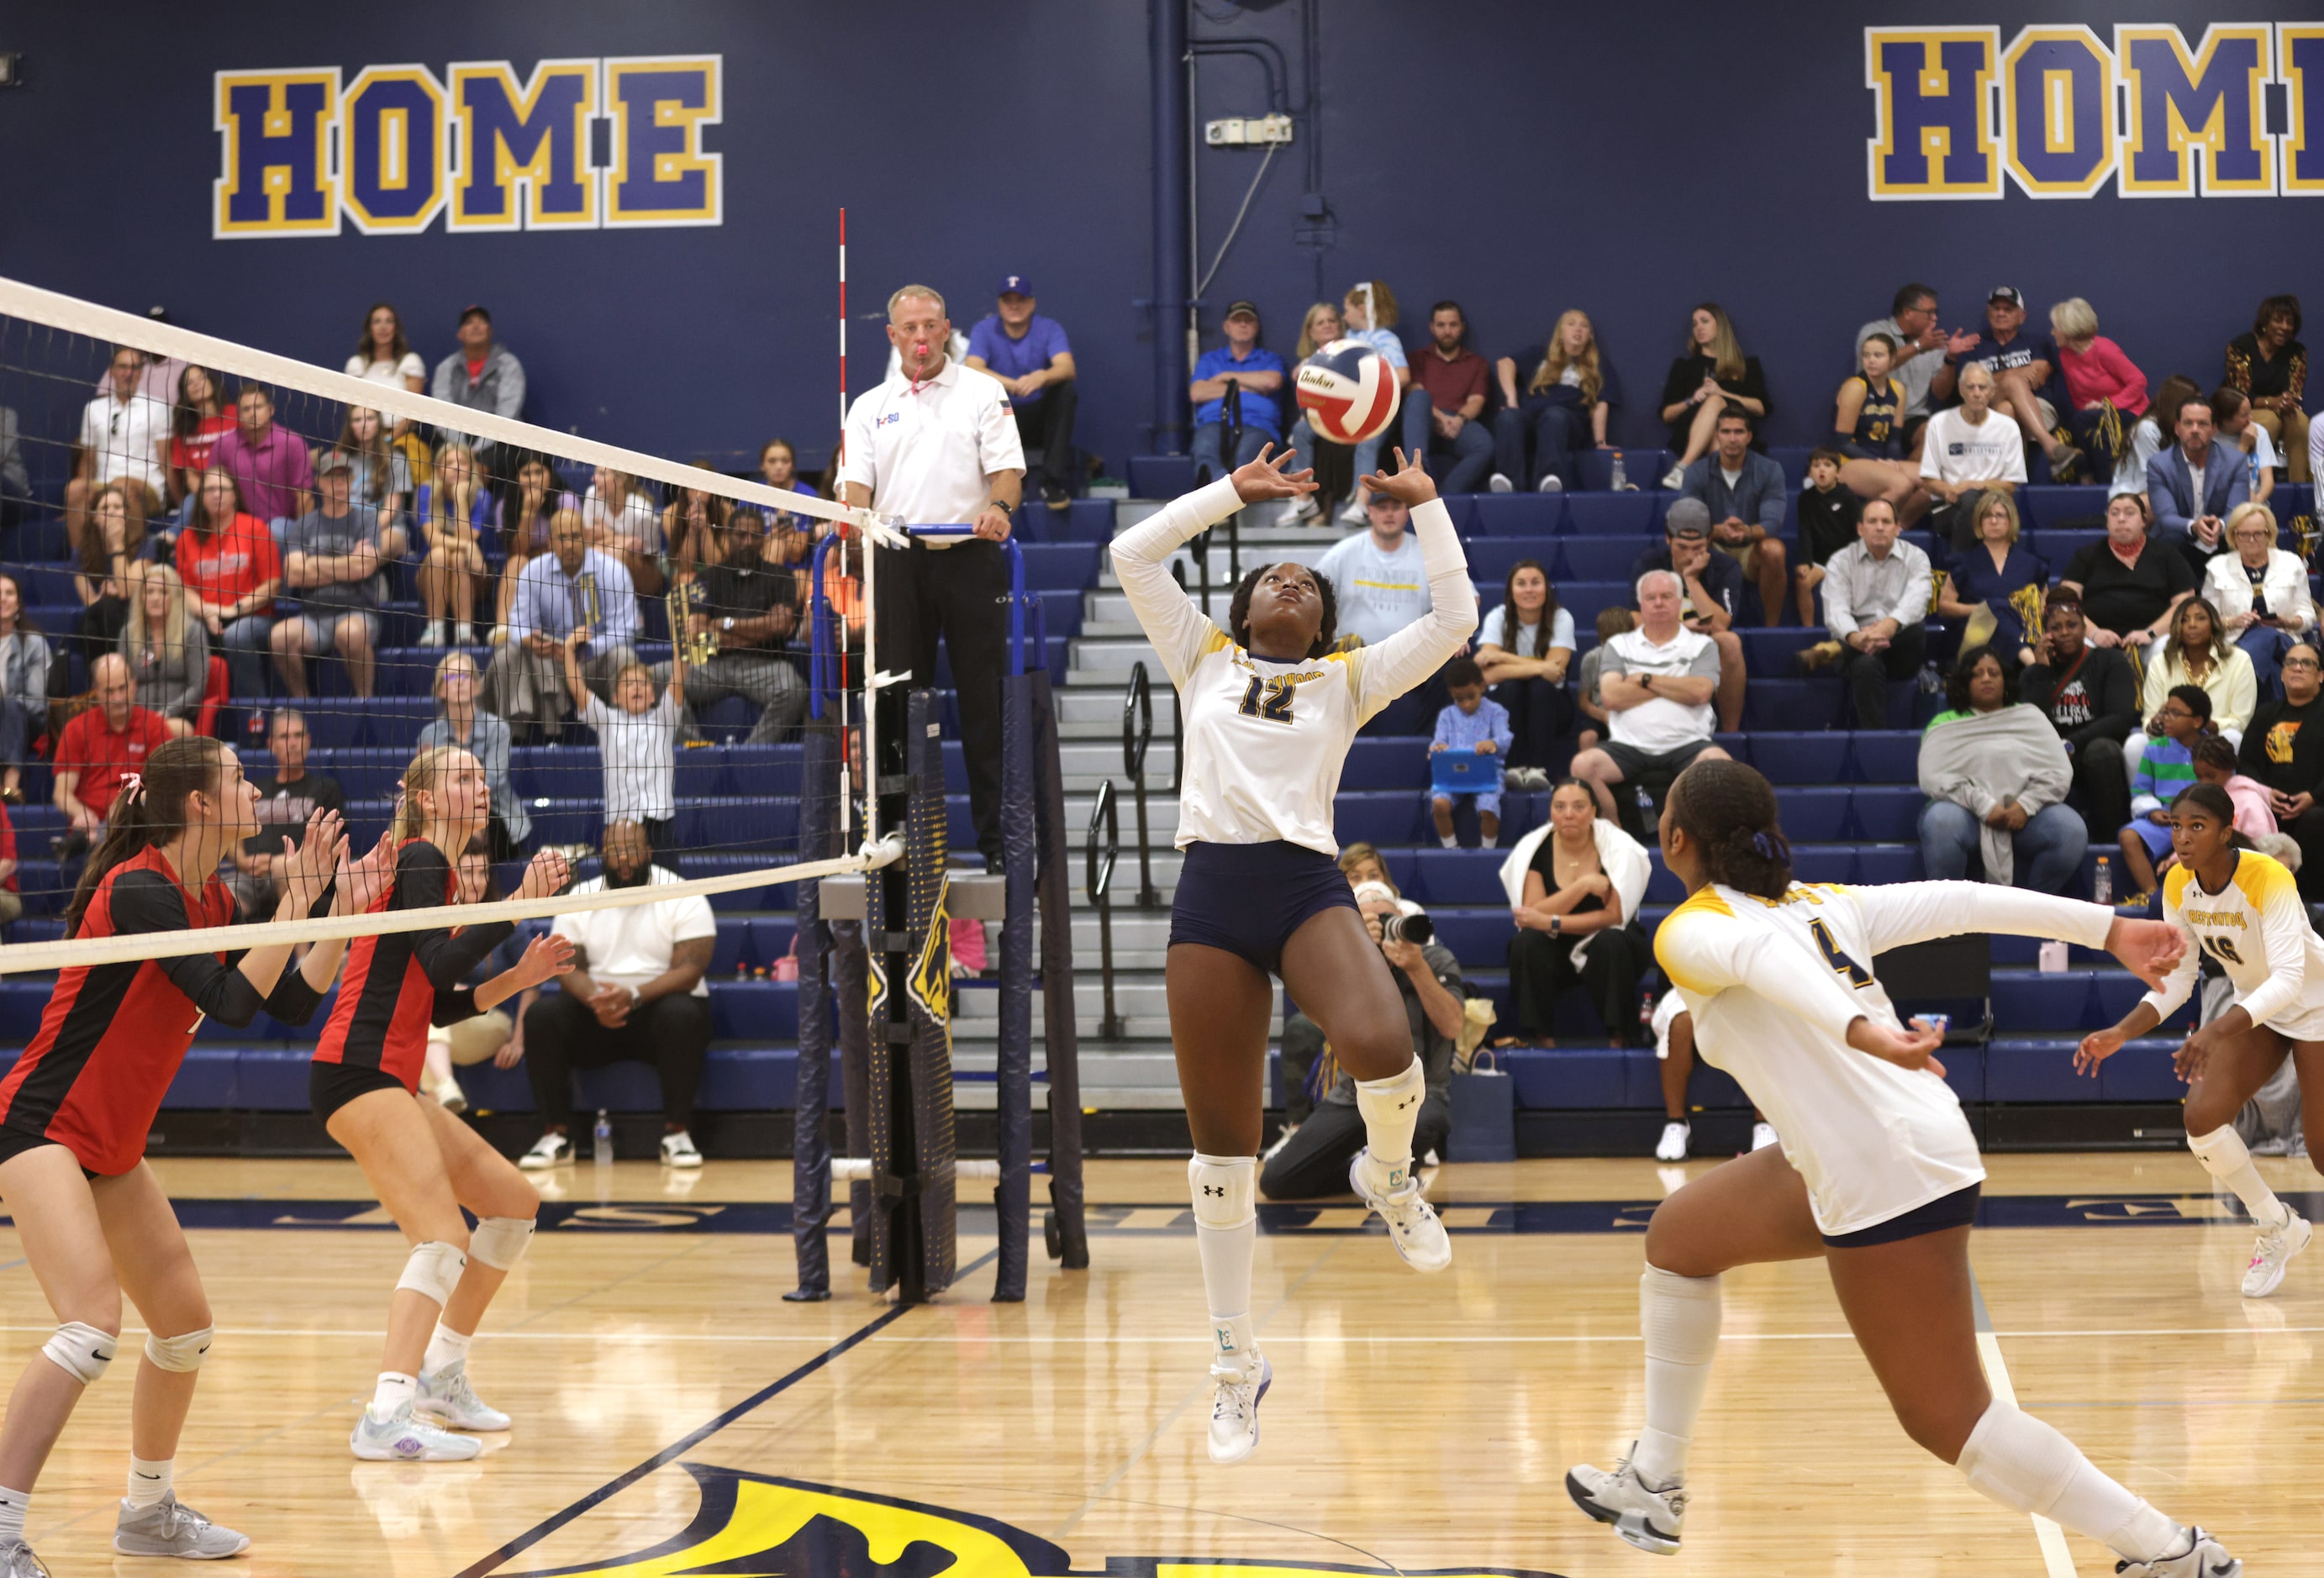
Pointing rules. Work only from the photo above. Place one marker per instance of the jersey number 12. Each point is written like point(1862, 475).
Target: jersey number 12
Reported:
point(1268, 698)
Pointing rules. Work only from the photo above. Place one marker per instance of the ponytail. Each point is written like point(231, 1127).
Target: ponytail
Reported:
point(1728, 809)
point(149, 809)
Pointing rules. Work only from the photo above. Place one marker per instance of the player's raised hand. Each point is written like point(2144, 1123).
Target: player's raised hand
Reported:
point(545, 957)
point(1270, 476)
point(1412, 483)
point(2149, 950)
point(307, 867)
point(544, 875)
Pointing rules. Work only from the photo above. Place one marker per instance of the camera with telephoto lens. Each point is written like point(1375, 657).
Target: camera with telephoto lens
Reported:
point(1414, 929)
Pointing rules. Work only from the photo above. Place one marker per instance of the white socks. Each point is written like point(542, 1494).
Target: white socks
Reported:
point(11, 1515)
point(147, 1482)
point(1226, 1231)
point(2016, 1460)
point(2222, 1154)
point(1450, 841)
point(396, 1389)
point(1679, 1317)
point(445, 1347)
point(1391, 1110)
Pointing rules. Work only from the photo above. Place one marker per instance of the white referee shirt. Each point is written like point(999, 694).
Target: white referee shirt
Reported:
point(924, 449)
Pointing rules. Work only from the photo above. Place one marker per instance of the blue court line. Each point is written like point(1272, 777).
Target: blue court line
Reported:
point(676, 1449)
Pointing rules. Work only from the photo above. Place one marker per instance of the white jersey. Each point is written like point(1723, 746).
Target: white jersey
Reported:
point(1265, 740)
point(1773, 985)
point(2258, 931)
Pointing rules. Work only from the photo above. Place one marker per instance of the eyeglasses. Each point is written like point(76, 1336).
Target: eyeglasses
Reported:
point(2302, 663)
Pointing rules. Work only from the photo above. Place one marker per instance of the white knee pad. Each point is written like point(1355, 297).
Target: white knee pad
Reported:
point(2018, 1461)
point(82, 1351)
point(2221, 1151)
point(433, 1269)
point(1225, 1188)
point(180, 1354)
point(500, 1242)
point(1679, 1317)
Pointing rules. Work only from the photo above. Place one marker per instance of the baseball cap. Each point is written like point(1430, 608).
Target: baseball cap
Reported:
point(1014, 285)
point(332, 460)
point(474, 309)
point(1687, 518)
point(2008, 293)
point(1242, 309)
point(1374, 893)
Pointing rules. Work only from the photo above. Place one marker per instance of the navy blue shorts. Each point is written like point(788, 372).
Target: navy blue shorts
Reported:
point(1249, 898)
point(1958, 1209)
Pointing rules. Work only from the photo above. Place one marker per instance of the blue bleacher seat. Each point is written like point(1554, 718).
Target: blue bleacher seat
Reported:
point(1626, 515)
point(1515, 515)
point(1597, 558)
point(2049, 505)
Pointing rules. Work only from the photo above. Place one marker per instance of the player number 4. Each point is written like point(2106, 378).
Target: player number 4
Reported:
point(1857, 976)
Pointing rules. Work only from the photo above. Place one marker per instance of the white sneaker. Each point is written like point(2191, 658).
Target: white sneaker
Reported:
point(168, 1528)
point(678, 1151)
point(467, 635)
point(1411, 1224)
point(1671, 1146)
point(1300, 509)
point(2204, 1557)
point(446, 1398)
point(2274, 1254)
point(1353, 515)
point(1537, 779)
point(1234, 1410)
point(1675, 478)
point(1552, 483)
point(402, 1438)
point(1762, 1136)
point(433, 636)
point(18, 1560)
point(1649, 1519)
point(1499, 482)
point(549, 1150)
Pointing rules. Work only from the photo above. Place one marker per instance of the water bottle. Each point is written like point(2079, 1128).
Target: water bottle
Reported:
point(601, 1142)
point(2102, 883)
point(1621, 477)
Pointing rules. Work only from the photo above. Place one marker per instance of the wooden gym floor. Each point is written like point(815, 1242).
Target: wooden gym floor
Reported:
point(674, 1416)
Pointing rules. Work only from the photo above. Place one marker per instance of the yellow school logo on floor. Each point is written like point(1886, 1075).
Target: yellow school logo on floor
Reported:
point(755, 1526)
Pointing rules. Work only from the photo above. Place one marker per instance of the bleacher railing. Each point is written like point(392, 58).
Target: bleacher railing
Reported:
point(1098, 861)
point(1137, 733)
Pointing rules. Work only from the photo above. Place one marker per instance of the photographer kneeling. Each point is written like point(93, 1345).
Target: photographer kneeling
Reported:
point(1314, 1161)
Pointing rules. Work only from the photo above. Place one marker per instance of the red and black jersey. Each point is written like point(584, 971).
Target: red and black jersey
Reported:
point(398, 983)
point(114, 1034)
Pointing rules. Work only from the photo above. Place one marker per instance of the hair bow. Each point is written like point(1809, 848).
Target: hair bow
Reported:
point(133, 788)
point(1771, 846)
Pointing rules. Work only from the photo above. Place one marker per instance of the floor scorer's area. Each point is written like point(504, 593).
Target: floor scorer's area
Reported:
point(1416, 1424)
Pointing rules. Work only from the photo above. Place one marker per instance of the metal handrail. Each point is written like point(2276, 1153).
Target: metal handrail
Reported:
point(1097, 860)
point(1136, 732)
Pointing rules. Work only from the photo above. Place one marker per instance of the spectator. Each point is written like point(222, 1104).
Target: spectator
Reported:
point(12, 899)
point(1714, 375)
point(688, 520)
point(1996, 776)
point(1574, 885)
point(101, 746)
point(1744, 491)
point(1564, 408)
point(788, 533)
point(285, 802)
point(1612, 622)
point(1258, 375)
point(269, 464)
point(2231, 410)
point(2194, 485)
point(1875, 602)
point(1827, 515)
point(106, 572)
point(2214, 763)
point(623, 518)
point(1377, 576)
point(167, 650)
point(637, 743)
point(1445, 413)
point(1712, 589)
point(1967, 451)
point(1370, 313)
point(933, 447)
point(2128, 585)
point(522, 515)
point(461, 720)
point(15, 482)
point(232, 572)
point(1996, 585)
point(1656, 683)
point(25, 661)
point(2284, 750)
point(2026, 387)
point(1428, 979)
point(2090, 696)
point(483, 375)
point(491, 1033)
point(2105, 393)
point(1030, 356)
point(334, 559)
point(636, 995)
point(2166, 765)
point(1674, 1032)
point(2147, 437)
point(380, 478)
point(124, 438)
point(452, 511)
point(1470, 722)
point(2270, 365)
point(1334, 478)
point(2261, 592)
point(385, 356)
point(1868, 431)
point(196, 422)
point(2198, 653)
point(1911, 327)
point(1524, 648)
point(571, 589)
point(1302, 1040)
point(747, 609)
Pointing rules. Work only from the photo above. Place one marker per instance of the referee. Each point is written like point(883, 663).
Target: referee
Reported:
point(937, 444)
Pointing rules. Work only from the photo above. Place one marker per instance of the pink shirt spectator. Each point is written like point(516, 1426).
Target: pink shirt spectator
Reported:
point(2255, 817)
point(273, 475)
point(2103, 372)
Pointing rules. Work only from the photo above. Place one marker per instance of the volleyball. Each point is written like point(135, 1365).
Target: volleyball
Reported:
point(1348, 392)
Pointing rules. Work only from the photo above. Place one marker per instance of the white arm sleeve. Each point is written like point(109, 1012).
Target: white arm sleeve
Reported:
point(1705, 954)
point(1179, 630)
point(1905, 913)
point(2180, 982)
point(1381, 673)
point(2283, 924)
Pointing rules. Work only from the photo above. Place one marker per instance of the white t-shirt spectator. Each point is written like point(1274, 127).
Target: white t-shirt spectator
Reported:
point(390, 373)
point(1378, 593)
point(639, 750)
point(637, 518)
point(924, 449)
point(1495, 631)
point(1955, 451)
point(126, 440)
point(630, 946)
point(2130, 471)
point(1659, 724)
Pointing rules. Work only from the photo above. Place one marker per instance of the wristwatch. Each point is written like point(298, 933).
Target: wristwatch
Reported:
point(1557, 925)
point(727, 624)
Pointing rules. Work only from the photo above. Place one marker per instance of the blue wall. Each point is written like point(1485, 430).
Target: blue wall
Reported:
point(1524, 158)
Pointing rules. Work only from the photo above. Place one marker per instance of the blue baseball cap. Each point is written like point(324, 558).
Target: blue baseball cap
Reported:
point(1014, 285)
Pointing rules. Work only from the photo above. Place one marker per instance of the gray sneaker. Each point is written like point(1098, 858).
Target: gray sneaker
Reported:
point(168, 1529)
point(18, 1560)
point(402, 1438)
point(448, 1398)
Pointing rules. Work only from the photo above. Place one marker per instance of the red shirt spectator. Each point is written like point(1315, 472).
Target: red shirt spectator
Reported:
point(8, 852)
point(193, 454)
point(102, 745)
point(222, 568)
point(2102, 373)
point(1452, 381)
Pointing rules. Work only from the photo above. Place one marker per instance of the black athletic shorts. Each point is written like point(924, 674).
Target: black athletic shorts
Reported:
point(1249, 898)
point(14, 1143)
point(1958, 1209)
point(331, 1086)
